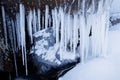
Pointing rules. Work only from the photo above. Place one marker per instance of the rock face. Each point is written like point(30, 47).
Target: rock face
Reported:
point(12, 6)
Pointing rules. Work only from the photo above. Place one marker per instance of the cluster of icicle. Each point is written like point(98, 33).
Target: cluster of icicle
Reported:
point(75, 29)
point(14, 30)
point(68, 29)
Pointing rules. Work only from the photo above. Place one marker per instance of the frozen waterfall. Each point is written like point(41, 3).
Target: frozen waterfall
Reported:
point(71, 30)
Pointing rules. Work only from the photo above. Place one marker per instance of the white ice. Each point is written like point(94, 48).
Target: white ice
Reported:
point(46, 16)
point(22, 34)
point(38, 20)
point(34, 21)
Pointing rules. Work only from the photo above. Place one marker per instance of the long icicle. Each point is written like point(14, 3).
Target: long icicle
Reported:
point(62, 34)
point(14, 46)
point(38, 20)
point(46, 16)
point(34, 21)
point(18, 30)
point(22, 34)
point(29, 24)
point(23, 42)
point(4, 26)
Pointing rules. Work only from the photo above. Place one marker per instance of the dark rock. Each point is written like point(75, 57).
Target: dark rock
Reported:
point(45, 70)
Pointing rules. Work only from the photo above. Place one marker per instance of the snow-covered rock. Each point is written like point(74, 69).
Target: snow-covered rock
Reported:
point(46, 48)
point(45, 55)
point(115, 18)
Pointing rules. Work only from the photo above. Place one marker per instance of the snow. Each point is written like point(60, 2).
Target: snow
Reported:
point(40, 33)
point(102, 68)
point(115, 28)
point(115, 6)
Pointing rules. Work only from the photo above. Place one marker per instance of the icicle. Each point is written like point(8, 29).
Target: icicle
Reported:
point(4, 26)
point(23, 42)
point(75, 33)
point(71, 34)
point(68, 27)
point(57, 21)
point(88, 27)
point(106, 17)
point(62, 47)
point(14, 46)
point(54, 23)
point(78, 5)
point(18, 30)
point(46, 16)
point(29, 28)
point(34, 21)
point(49, 21)
point(83, 7)
point(82, 37)
point(99, 30)
point(93, 6)
point(69, 30)
point(14, 37)
point(65, 34)
point(43, 22)
point(38, 20)
point(22, 26)
point(26, 68)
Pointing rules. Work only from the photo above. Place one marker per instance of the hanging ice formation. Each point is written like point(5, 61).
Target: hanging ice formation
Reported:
point(75, 30)
point(46, 16)
point(70, 30)
point(38, 20)
point(29, 23)
point(4, 26)
point(22, 34)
